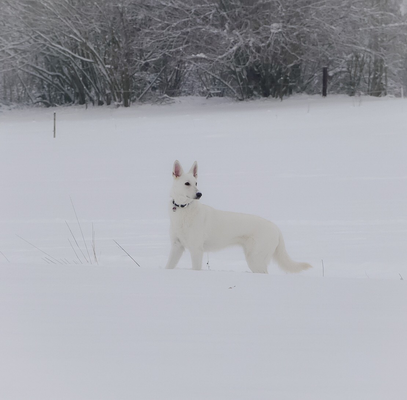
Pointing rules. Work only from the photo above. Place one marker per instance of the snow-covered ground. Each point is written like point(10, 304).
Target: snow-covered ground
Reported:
point(332, 173)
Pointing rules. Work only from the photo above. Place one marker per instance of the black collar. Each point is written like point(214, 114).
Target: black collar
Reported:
point(180, 205)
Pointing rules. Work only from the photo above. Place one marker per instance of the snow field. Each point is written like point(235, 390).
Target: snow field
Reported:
point(125, 333)
point(330, 172)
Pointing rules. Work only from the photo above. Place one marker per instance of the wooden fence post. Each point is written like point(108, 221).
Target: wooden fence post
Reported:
point(324, 81)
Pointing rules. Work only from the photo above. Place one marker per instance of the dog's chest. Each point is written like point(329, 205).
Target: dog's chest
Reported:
point(185, 225)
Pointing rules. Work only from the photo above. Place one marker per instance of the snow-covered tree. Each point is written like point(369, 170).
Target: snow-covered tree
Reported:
point(74, 51)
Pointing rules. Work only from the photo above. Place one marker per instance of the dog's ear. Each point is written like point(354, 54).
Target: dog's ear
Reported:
point(177, 170)
point(194, 170)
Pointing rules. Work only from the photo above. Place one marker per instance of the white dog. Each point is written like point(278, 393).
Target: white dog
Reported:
point(200, 228)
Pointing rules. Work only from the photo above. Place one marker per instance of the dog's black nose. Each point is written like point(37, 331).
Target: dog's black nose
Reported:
point(198, 195)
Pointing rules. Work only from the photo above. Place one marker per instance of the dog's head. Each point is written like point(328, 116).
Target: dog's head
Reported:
point(185, 186)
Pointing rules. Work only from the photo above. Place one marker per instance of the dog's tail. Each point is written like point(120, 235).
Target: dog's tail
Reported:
point(285, 262)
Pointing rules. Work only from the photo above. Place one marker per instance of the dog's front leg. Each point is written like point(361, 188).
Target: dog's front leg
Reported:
point(196, 258)
point(176, 253)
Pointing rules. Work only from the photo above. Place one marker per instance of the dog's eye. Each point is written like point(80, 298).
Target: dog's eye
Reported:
point(187, 184)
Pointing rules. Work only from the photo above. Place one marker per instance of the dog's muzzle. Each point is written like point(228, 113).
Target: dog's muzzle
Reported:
point(198, 195)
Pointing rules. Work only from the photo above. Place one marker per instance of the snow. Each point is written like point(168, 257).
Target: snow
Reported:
point(331, 173)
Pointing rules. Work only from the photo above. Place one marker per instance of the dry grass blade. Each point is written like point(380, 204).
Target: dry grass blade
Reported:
point(42, 251)
point(127, 253)
point(76, 254)
point(77, 245)
point(80, 228)
point(4, 256)
point(94, 245)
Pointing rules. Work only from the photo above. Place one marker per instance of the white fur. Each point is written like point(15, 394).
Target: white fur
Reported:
point(200, 228)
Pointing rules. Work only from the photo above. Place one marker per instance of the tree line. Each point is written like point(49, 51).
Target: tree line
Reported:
point(103, 52)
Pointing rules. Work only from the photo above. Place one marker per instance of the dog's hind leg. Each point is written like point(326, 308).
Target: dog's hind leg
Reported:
point(176, 253)
point(256, 256)
point(256, 264)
